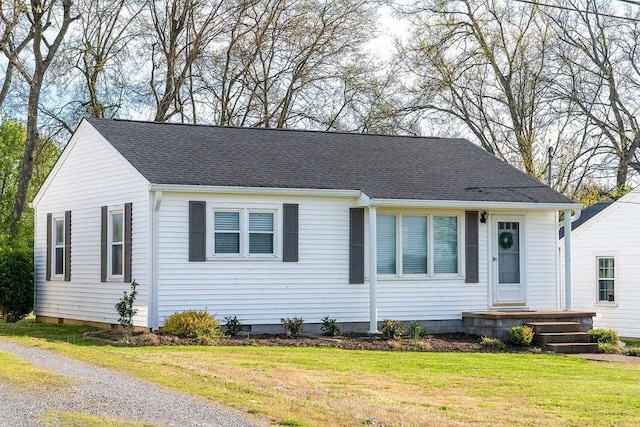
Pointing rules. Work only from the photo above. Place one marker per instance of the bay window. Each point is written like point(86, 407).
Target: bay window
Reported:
point(426, 245)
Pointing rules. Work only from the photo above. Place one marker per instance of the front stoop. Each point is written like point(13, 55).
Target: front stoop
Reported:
point(562, 337)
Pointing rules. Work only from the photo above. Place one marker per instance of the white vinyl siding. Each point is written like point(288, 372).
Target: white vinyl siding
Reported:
point(92, 174)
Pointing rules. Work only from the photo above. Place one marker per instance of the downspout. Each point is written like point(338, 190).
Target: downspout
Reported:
point(373, 272)
point(568, 219)
point(153, 282)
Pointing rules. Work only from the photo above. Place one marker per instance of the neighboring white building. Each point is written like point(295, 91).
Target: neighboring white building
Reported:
point(264, 224)
point(606, 264)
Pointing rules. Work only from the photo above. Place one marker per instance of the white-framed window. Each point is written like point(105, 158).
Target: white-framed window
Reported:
point(115, 252)
point(57, 250)
point(606, 278)
point(244, 232)
point(410, 245)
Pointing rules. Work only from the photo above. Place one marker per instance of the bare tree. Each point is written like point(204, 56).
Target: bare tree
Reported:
point(598, 74)
point(485, 64)
point(181, 31)
point(44, 25)
point(279, 58)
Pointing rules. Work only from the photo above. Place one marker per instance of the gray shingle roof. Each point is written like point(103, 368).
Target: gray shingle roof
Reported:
point(382, 166)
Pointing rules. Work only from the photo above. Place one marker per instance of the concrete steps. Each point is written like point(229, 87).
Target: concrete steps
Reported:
point(562, 337)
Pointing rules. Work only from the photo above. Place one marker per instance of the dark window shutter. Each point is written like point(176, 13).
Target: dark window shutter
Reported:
point(127, 242)
point(67, 246)
point(197, 231)
point(471, 247)
point(103, 245)
point(49, 225)
point(290, 233)
point(356, 245)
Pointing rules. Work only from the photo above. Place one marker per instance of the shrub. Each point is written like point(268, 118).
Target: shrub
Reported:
point(232, 326)
point(330, 327)
point(608, 336)
point(633, 351)
point(392, 329)
point(16, 284)
point(416, 331)
point(126, 311)
point(492, 343)
point(521, 336)
point(608, 348)
point(293, 326)
point(192, 324)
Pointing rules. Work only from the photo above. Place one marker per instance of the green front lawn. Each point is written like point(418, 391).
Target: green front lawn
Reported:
point(325, 387)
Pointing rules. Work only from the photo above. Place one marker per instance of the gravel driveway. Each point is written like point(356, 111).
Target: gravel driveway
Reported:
point(100, 392)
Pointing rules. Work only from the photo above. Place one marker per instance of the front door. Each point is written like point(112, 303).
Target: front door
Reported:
point(508, 261)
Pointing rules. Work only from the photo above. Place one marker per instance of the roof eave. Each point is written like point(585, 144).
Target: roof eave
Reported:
point(473, 204)
point(276, 191)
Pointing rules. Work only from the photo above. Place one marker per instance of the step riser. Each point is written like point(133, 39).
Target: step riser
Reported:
point(573, 348)
point(560, 327)
point(542, 339)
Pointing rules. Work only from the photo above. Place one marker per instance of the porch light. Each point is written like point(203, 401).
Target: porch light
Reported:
point(483, 217)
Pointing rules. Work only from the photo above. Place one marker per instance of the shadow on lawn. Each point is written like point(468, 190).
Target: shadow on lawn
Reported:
point(54, 333)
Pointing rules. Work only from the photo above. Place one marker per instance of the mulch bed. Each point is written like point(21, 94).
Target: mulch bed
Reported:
point(432, 343)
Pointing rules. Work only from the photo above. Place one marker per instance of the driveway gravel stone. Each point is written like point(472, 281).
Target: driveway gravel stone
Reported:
point(99, 392)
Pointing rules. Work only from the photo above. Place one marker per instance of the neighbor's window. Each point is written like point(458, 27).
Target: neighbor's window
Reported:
point(426, 244)
point(244, 232)
point(58, 248)
point(606, 279)
point(116, 242)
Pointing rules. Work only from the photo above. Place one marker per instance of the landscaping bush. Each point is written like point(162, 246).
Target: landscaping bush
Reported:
point(607, 336)
point(608, 348)
point(16, 284)
point(415, 331)
point(126, 311)
point(392, 329)
point(232, 326)
point(293, 326)
point(633, 351)
point(489, 342)
point(330, 327)
point(192, 324)
point(521, 336)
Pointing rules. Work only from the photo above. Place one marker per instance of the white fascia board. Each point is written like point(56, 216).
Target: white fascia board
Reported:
point(460, 204)
point(215, 189)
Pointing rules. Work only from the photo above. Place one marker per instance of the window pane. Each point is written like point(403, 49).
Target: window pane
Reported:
point(261, 243)
point(445, 244)
point(227, 221)
point(116, 259)
point(116, 227)
point(605, 268)
point(414, 245)
point(59, 269)
point(386, 244)
point(260, 221)
point(59, 232)
point(227, 243)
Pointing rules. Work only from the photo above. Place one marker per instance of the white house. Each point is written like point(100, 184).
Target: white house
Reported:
point(606, 265)
point(264, 224)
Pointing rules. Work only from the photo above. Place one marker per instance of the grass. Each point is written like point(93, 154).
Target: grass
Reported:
point(25, 376)
point(74, 419)
point(332, 387)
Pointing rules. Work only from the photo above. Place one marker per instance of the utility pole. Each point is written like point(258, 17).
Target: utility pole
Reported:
point(550, 153)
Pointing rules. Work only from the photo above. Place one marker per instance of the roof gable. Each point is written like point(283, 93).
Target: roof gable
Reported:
point(382, 166)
